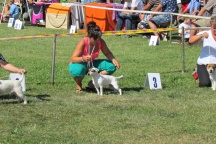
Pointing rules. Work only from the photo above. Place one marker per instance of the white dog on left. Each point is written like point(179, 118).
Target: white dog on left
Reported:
point(100, 81)
point(9, 86)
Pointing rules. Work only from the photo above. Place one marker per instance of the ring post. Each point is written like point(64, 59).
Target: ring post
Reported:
point(171, 19)
point(183, 51)
point(53, 59)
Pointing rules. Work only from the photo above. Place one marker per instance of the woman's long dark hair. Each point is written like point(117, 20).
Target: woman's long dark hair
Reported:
point(93, 30)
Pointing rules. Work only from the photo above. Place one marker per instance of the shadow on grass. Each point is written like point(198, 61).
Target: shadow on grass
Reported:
point(108, 90)
point(43, 97)
point(176, 71)
point(137, 89)
point(8, 97)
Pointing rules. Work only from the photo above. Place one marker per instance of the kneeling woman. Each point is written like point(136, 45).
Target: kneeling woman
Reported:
point(208, 52)
point(85, 54)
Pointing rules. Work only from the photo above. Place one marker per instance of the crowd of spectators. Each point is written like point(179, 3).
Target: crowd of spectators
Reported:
point(133, 20)
point(205, 8)
point(11, 10)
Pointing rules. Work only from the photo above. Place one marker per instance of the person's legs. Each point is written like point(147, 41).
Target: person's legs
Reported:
point(135, 20)
point(157, 21)
point(153, 27)
point(78, 84)
point(179, 8)
point(120, 21)
point(5, 18)
point(105, 66)
point(204, 80)
point(25, 16)
point(129, 22)
point(78, 71)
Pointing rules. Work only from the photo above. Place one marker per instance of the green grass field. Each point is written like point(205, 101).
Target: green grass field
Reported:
point(181, 112)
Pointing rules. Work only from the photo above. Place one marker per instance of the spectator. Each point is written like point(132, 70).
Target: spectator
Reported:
point(179, 11)
point(130, 17)
point(208, 10)
point(186, 24)
point(9, 67)
point(85, 54)
point(13, 12)
point(6, 8)
point(28, 10)
point(179, 6)
point(150, 6)
point(184, 4)
point(208, 52)
point(193, 8)
point(162, 20)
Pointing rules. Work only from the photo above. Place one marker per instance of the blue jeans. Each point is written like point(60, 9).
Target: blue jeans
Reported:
point(160, 20)
point(129, 21)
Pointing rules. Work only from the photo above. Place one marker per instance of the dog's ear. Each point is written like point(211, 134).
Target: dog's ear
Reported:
point(95, 70)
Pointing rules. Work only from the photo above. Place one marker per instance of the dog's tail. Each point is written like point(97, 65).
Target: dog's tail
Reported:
point(119, 77)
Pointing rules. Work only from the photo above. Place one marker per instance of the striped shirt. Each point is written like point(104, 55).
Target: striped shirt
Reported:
point(154, 4)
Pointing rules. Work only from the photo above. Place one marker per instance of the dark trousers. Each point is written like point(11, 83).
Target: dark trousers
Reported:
point(204, 80)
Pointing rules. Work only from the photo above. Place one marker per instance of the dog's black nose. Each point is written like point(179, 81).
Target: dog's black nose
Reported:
point(211, 71)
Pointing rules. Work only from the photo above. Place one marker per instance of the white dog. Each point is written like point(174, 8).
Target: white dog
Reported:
point(103, 80)
point(9, 86)
point(211, 68)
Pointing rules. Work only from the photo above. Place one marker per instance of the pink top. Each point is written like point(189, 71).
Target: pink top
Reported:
point(87, 51)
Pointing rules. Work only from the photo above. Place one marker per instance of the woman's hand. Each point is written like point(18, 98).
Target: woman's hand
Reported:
point(205, 35)
point(116, 63)
point(20, 71)
point(87, 58)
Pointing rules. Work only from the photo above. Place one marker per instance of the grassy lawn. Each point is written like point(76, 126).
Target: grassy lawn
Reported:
point(179, 113)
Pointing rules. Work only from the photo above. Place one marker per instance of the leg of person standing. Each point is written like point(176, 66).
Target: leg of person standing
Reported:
point(120, 21)
point(204, 80)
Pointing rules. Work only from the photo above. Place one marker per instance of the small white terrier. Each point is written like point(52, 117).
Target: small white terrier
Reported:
point(211, 68)
point(9, 86)
point(100, 81)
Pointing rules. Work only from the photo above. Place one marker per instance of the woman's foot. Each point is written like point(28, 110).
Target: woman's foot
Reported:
point(78, 91)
